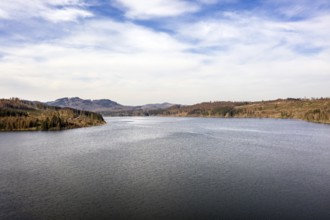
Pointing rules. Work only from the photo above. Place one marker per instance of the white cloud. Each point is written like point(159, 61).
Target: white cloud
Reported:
point(66, 2)
point(102, 57)
point(68, 14)
point(3, 14)
point(232, 57)
point(236, 32)
point(155, 8)
point(122, 37)
point(21, 9)
point(210, 2)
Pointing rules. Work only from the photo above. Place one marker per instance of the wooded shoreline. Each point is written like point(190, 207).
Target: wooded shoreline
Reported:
point(311, 110)
point(22, 115)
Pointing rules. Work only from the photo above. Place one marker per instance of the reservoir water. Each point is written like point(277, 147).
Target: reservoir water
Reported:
point(168, 168)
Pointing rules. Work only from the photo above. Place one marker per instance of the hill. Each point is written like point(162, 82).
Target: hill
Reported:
point(313, 110)
point(85, 104)
point(22, 115)
point(107, 107)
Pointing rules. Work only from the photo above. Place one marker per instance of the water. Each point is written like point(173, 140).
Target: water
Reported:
point(168, 168)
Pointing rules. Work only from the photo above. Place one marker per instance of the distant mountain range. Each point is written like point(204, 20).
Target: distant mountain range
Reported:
point(314, 110)
point(107, 107)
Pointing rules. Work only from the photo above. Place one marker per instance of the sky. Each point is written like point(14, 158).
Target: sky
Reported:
point(151, 51)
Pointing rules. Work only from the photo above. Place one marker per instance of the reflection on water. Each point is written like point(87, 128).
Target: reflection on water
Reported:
point(168, 168)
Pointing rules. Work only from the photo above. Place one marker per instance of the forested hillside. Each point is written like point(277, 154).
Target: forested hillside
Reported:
point(22, 115)
point(314, 110)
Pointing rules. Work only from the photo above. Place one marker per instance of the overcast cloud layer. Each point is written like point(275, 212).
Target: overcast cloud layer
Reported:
point(137, 52)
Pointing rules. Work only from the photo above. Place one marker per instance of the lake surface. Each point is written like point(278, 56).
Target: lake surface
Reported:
point(168, 168)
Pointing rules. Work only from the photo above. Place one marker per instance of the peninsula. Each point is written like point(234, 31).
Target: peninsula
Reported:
point(22, 115)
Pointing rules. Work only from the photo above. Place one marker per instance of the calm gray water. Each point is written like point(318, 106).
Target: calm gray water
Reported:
point(168, 168)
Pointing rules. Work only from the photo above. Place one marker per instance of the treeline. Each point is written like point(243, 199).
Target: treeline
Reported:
point(13, 121)
point(12, 113)
point(205, 109)
point(88, 114)
point(23, 115)
point(20, 123)
point(17, 104)
point(314, 110)
point(318, 115)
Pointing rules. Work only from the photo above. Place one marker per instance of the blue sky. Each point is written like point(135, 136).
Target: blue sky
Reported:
point(138, 52)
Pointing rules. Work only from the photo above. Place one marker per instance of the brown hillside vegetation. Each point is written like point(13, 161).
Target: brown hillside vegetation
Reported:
point(313, 110)
point(21, 115)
